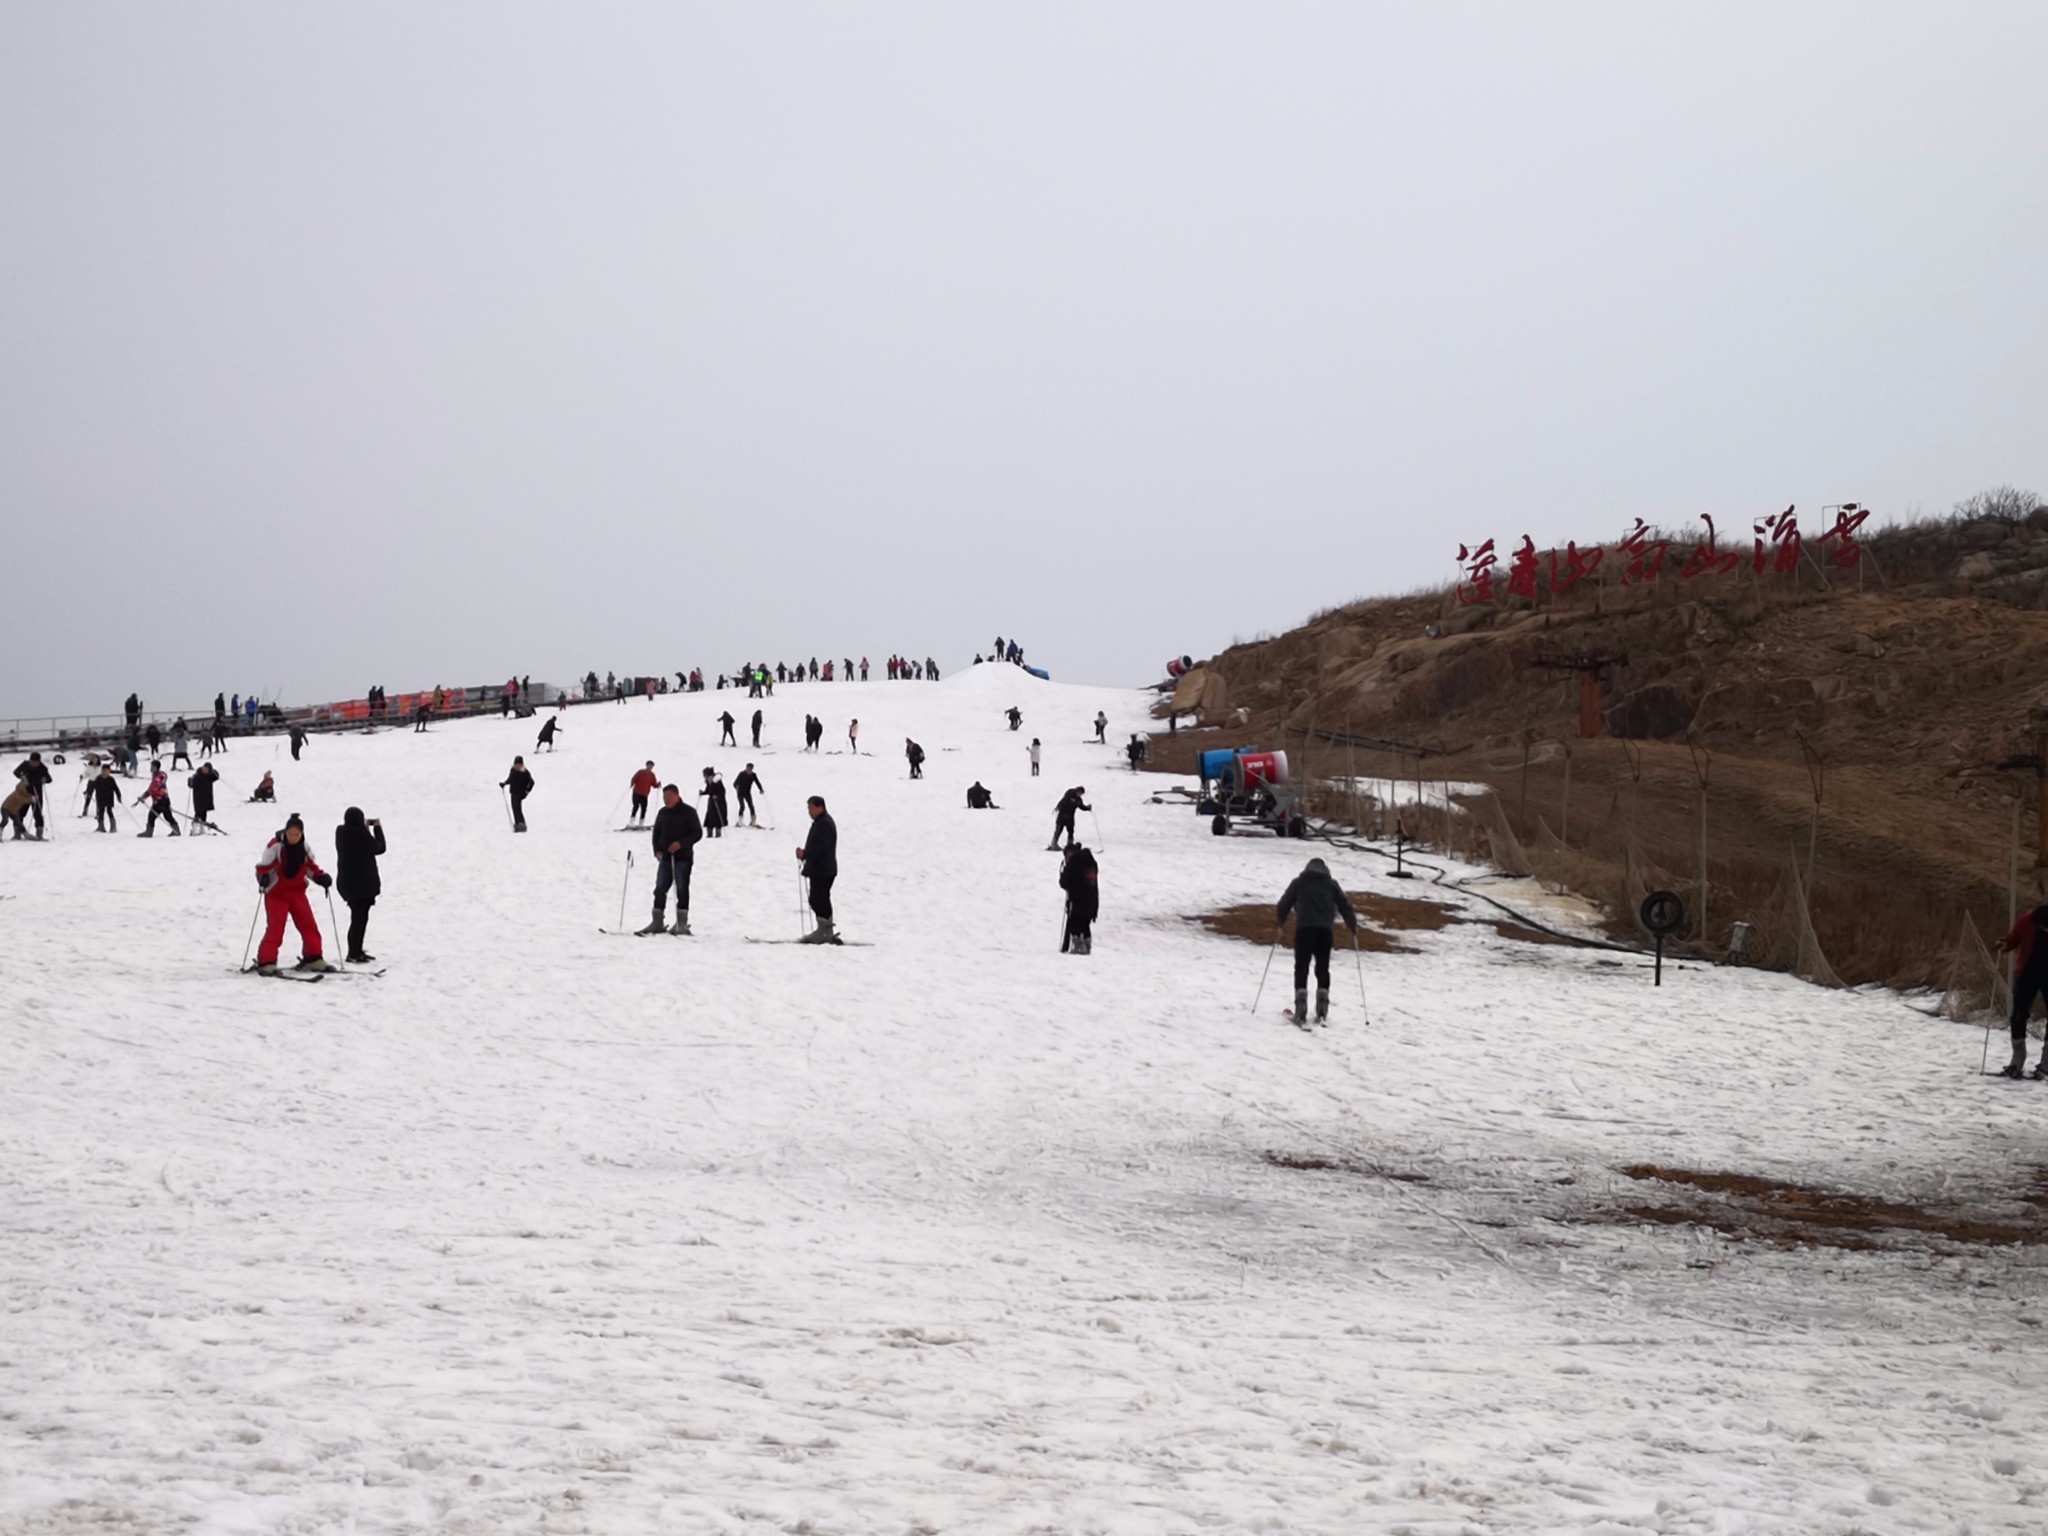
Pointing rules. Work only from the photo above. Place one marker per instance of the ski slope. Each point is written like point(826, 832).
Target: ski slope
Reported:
point(547, 1231)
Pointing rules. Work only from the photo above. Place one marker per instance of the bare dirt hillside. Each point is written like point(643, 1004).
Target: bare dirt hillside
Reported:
point(1848, 720)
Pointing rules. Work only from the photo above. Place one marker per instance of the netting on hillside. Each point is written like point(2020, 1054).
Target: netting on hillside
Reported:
point(1811, 964)
point(1974, 987)
point(1508, 852)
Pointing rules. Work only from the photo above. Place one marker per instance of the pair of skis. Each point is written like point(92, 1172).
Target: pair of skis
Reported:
point(634, 933)
point(294, 974)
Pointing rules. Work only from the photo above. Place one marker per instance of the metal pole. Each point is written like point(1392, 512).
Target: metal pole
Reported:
point(333, 921)
point(623, 885)
point(2040, 798)
point(1564, 832)
point(2012, 878)
point(1269, 966)
point(1704, 936)
point(252, 931)
point(1358, 955)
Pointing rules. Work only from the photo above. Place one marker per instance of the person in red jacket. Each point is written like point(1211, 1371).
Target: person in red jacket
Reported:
point(287, 864)
point(159, 797)
point(643, 786)
point(2028, 945)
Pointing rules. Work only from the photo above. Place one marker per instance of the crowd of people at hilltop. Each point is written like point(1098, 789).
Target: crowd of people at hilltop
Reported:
point(288, 864)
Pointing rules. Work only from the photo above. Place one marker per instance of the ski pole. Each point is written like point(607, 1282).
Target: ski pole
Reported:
point(507, 799)
point(801, 930)
point(1270, 948)
point(1358, 955)
point(333, 921)
point(623, 884)
point(1099, 843)
point(252, 930)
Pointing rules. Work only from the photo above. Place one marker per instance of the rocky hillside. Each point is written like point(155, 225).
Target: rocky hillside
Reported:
point(1850, 722)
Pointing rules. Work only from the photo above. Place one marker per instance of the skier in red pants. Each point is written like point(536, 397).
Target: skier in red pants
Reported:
point(287, 864)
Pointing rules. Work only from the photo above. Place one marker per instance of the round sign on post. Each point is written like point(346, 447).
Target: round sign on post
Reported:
point(1663, 914)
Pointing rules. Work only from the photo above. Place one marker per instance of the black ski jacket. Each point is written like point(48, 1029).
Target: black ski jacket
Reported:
point(356, 847)
point(821, 849)
point(747, 782)
point(1316, 899)
point(520, 782)
point(677, 824)
point(201, 785)
point(1078, 880)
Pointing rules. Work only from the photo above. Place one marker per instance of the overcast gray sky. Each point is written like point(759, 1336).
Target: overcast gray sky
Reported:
point(412, 343)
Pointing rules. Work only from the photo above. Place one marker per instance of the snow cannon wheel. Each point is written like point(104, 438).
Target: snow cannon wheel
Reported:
point(1220, 826)
point(1297, 826)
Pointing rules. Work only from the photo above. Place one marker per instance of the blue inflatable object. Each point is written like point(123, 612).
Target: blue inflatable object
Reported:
point(1039, 672)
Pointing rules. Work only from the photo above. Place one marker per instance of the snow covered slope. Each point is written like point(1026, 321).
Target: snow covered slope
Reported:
point(547, 1231)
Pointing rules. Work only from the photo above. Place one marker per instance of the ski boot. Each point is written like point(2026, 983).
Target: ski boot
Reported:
point(269, 969)
point(822, 934)
point(2041, 1070)
point(682, 925)
point(2017, 1067)
point(1322, 1006)
point(660, 924)
point(1301, 1011)
point(313, 963)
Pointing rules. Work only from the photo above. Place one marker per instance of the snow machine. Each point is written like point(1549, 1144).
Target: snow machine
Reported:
point(1247, 788)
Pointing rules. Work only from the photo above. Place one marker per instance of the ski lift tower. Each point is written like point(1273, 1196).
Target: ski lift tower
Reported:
point(1591, 667)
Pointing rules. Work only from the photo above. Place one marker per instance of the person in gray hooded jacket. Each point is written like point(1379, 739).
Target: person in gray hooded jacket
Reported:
point(1316, 900)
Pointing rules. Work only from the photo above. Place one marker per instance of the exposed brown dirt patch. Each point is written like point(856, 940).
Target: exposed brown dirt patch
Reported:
point(1314, 1162)
point(1381, 916)
point(1406, 913)
point(1253, 922)
point(1771, 1210)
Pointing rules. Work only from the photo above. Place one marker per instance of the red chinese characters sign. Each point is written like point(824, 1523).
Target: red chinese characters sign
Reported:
point(1776, 544)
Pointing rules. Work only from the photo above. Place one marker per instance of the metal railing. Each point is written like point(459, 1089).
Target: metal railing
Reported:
point(65, 733)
